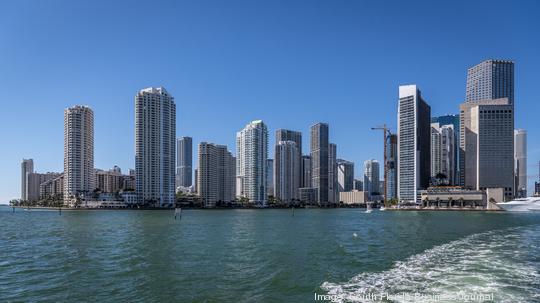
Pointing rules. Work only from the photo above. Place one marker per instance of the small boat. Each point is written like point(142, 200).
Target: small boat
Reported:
point(368, 209)
point(382, 208)
point(522, 204)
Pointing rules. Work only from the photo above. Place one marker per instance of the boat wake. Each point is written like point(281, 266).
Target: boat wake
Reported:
point(499, 266)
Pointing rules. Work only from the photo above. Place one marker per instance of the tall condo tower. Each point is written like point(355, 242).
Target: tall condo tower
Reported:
point(520, 162)
point(184, 161)
point(391, 158)
point(491, 79)
point(78, 153)
point(296, 137)
point(413, 143)
point(216, 174)
point(251, 161)
point(319, 162)
point(371, 177)
point(286, 170)
point(443, 146)
point(27, 167)
point(454, 121)
point(155, 135)
point(345, 175)
point(333, 192)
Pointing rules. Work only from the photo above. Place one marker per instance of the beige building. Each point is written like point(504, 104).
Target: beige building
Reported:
point(353, 197)
point(33, 182)
point(216, 174)
point(53, 188)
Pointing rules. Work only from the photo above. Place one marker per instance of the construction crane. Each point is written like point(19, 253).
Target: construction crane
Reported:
point(386, 134)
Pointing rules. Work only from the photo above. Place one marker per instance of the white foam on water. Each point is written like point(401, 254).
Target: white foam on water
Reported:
point(504, 264)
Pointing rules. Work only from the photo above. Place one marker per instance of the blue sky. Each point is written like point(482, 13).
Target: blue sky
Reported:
point(290, 63)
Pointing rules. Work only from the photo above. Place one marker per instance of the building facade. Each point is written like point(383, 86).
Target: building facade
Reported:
point(454, 121)
point(520, 162)
point(184, 161)
point(286, 169)
point(371, 177)
point(413, 144)
point(443, 160)
point(391, 164)
point(319, 161)
point(296, 137)
point(216, 174)
point(491, 79)
point(33, 183)
point(27, 167)
point(251, 162)
point(78, 153)
point(333, 189)
point(345, 175)
point(270, 180)
point(306, 171)
point(155, 135)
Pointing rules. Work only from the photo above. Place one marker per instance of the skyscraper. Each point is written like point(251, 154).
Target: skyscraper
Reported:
point(371, 177)
point(345, 175)
point(306, 171)
point(443, 146)
point(184, 161)
point(413, 143)
point(155, 135)
point(319, 161)
point(487, 145)
point(296, 137)
point(78, 153)
point(27, 166)
point(216, 174)
point(491, 79)
point(454, 121)
point(333, 192)
point(270, 177)
point(391, 159)
point(520, 162)
point(251, 164)
point(286, 169)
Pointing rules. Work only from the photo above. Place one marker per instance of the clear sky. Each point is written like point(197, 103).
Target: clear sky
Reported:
point(290, 63)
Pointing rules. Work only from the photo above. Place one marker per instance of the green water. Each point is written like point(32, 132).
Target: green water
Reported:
point(258, 255)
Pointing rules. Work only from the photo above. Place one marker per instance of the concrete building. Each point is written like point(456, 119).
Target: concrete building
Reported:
point(443, 160)
point(450, 197)
point(216, 174)
point(286, 169)
point(391, 164)
point(296, 137)
point(270, 181)
point(358, 185)
point(371, 178)
point(413, 144)
point(520, 162)
point(251, 161)
point(333, 191)
point(353, 197)
point(306, 171)
point(491, 79)
point(78, 153)
point(52, 189)
point(345, 175)
point(487, 145)
point(184, 161)
point(454, 121)
point(155, 135)
point(308, 195)
point(33, 183)
point(27, 167)
point(319, 161)
point(113, 181)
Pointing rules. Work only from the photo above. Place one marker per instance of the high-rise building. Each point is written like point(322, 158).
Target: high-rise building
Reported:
point(52, 189)
point(520, 162)
point(391, 164)
point(27, 167)
point(286, 169)
point(319, 161)
point(443, 146)
point(216, 174)
point(413, 144)
point(251, 164)
point(155, 135)
point(78, 153)
point(371, 177)
point(358, 185)
point(270, 181)
point(33, 183)
point(296, 137)
point(454, 121)
point(113, 181)
point(306, 171)
point(487, 145)
point(345, 175)
point(184, 161)
point(491, 79)
point(333, 191)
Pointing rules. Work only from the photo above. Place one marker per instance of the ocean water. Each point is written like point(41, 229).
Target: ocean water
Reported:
point(268, 256)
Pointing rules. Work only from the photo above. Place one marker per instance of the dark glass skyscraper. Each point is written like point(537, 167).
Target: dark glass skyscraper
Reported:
point(184, 160)
point(319, 161)
point(491, 79)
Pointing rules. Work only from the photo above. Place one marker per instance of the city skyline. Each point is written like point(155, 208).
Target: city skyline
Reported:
point(111, 96)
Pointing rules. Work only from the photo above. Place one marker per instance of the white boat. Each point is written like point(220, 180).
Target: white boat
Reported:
point(521, 204)
point(368, 209)
point(382, 208)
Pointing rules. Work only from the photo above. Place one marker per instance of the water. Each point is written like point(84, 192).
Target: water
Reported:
point(265, 255)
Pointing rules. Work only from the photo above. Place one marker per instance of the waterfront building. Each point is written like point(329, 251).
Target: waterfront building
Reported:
point(306, 171)
point(520, 162)
point(184, 161)
point(155, 135)
point(391, 164)
point(296, 137)
point(270, 180)
point(216, 174)
point(333, 192)
point(353, 197)
point(358, 185)
point(251, 162)
point(443, 146)
point(454, 121)
point(413, 143)
point(286, 169)
point(319, 161)
point(453, 197)
point(487, 145)
point(345, 175)
point(371, 178)
point(52, 189)
point(113, 181)
point(308, 195)
point(33, 183)
point(78, 153)
point(491, 79)
point(27, 167)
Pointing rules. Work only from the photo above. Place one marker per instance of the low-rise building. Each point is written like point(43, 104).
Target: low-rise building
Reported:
point(308, 195)
point(353, 197)
point(449, 196)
